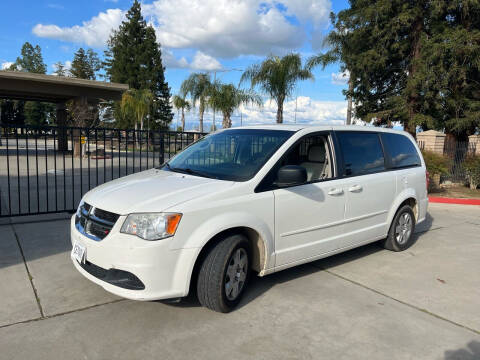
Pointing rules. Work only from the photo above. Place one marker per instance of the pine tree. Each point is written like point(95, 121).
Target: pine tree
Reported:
point(31, 112)
point(85, 65)
point(134, 58)
point(31, 60)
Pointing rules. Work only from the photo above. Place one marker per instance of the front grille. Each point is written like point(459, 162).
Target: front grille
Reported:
point(93, 222)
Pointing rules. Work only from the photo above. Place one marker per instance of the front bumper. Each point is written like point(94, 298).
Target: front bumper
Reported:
point(164, 272)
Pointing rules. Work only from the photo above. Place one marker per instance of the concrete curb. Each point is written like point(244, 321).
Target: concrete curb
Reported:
point(443, 200)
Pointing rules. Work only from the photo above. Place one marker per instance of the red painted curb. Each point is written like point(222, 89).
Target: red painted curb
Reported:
point(443, 200)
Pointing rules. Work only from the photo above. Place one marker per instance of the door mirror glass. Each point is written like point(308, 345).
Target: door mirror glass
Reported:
point(291, 175)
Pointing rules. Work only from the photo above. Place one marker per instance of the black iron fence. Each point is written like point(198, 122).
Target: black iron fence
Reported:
point(456, 152)
point(48, 169)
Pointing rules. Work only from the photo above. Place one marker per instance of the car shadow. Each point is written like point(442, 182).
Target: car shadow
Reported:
point(470, 352)
point(259, 285)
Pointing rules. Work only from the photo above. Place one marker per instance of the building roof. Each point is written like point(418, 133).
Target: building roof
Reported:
point(50, 88)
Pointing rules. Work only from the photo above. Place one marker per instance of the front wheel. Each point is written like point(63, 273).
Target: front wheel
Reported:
point(224, 274)
point(400, 235)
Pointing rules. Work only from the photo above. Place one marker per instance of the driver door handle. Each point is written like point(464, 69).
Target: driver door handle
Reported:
point(355, 188)
point(335, 191)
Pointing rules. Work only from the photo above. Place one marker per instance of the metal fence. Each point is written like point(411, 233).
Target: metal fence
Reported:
point(48, 169)
point(455, 151)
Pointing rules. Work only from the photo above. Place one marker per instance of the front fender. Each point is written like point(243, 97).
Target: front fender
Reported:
point(214, 226)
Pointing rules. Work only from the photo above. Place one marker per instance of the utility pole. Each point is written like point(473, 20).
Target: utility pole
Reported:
point(296, 99)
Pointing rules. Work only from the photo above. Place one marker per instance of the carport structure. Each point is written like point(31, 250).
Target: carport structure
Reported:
point(17, 85)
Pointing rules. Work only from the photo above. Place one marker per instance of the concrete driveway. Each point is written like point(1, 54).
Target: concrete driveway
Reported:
point(368, 303)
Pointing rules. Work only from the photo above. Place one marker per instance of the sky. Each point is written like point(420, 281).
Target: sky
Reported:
point(225, 36)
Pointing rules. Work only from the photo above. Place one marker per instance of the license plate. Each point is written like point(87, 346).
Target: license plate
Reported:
point(79, 252)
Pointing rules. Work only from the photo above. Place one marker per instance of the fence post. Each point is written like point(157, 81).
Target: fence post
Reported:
point(474, 144)
point(162, 147)
point(62, 138)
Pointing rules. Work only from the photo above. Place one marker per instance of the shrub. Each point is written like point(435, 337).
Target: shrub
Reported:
point(437, 165)
point(472, 170)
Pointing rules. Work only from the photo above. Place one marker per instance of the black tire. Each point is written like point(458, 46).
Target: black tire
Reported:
point(213, 277)
point(394, 241)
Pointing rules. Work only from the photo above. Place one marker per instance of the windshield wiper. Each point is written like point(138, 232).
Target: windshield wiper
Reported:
point(192, 172)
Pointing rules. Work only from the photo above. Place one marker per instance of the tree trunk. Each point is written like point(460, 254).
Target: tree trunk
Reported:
point(280, 111)
point(349, 107)
point(201, 110)
point(412, 97)
point(225, 121)
point(183, 119)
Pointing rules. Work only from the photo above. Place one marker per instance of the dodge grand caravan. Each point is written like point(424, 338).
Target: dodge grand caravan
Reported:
point(249, 200)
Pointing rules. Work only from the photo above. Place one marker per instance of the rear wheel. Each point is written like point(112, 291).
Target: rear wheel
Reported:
point(400, 235)
point(224, 274)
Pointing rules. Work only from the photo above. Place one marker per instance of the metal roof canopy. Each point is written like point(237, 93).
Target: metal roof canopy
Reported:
point(56, 89)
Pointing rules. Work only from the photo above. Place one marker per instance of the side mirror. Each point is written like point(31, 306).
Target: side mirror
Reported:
point(291, 175)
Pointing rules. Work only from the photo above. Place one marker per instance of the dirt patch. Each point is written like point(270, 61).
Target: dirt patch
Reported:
point(456, 191)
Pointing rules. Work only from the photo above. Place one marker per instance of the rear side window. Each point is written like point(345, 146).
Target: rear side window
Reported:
point(362, 152)
point(401, 150)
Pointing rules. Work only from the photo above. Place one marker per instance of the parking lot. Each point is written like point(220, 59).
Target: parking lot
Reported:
point(368, 303)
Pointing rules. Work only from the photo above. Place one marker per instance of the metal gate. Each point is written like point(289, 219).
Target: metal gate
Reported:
point(48, 169)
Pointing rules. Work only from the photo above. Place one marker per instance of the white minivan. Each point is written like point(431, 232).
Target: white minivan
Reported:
point(256, 199)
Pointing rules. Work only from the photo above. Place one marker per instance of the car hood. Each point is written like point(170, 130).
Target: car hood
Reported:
point(151, 191)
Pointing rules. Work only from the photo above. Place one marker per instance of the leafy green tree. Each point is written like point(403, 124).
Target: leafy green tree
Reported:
point(181, 103)
point(277, 77)
point(137, 103)
point(227, 98)
point(134, 57)
point(85, 65)
point(198, 86)
point(416, 62)
point(448, 81)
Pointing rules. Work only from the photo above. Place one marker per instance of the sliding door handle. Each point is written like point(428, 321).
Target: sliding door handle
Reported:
point(355, 188)
point(335, 191)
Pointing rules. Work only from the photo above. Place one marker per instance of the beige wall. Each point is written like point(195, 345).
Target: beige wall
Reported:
point(432, 140)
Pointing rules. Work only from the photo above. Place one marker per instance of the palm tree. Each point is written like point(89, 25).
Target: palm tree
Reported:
point(198, 86)
point(137, 103)
point(277, 77)
point(227, 98)
point(182, 104)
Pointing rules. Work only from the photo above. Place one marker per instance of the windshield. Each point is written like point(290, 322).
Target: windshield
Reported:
point(235, 155)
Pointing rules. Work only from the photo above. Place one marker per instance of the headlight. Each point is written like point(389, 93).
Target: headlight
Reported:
point(151, 226)
point(79, 209)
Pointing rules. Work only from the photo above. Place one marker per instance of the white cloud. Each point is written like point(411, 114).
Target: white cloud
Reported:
point(203, 61)
point(228, 28)
point(5, 65)
point(340, 78)
point(94, 32)
point(309, 111)
point(200, 61)
point(219, 28)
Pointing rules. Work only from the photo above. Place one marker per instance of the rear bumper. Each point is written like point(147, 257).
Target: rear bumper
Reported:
point(422, 210)
point(136, 269)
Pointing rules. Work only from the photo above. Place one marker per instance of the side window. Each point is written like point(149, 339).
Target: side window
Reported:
point(312, 153)
point(362, 152)
point(401, 150)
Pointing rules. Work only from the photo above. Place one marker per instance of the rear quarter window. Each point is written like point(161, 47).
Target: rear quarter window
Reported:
point(401, 150)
